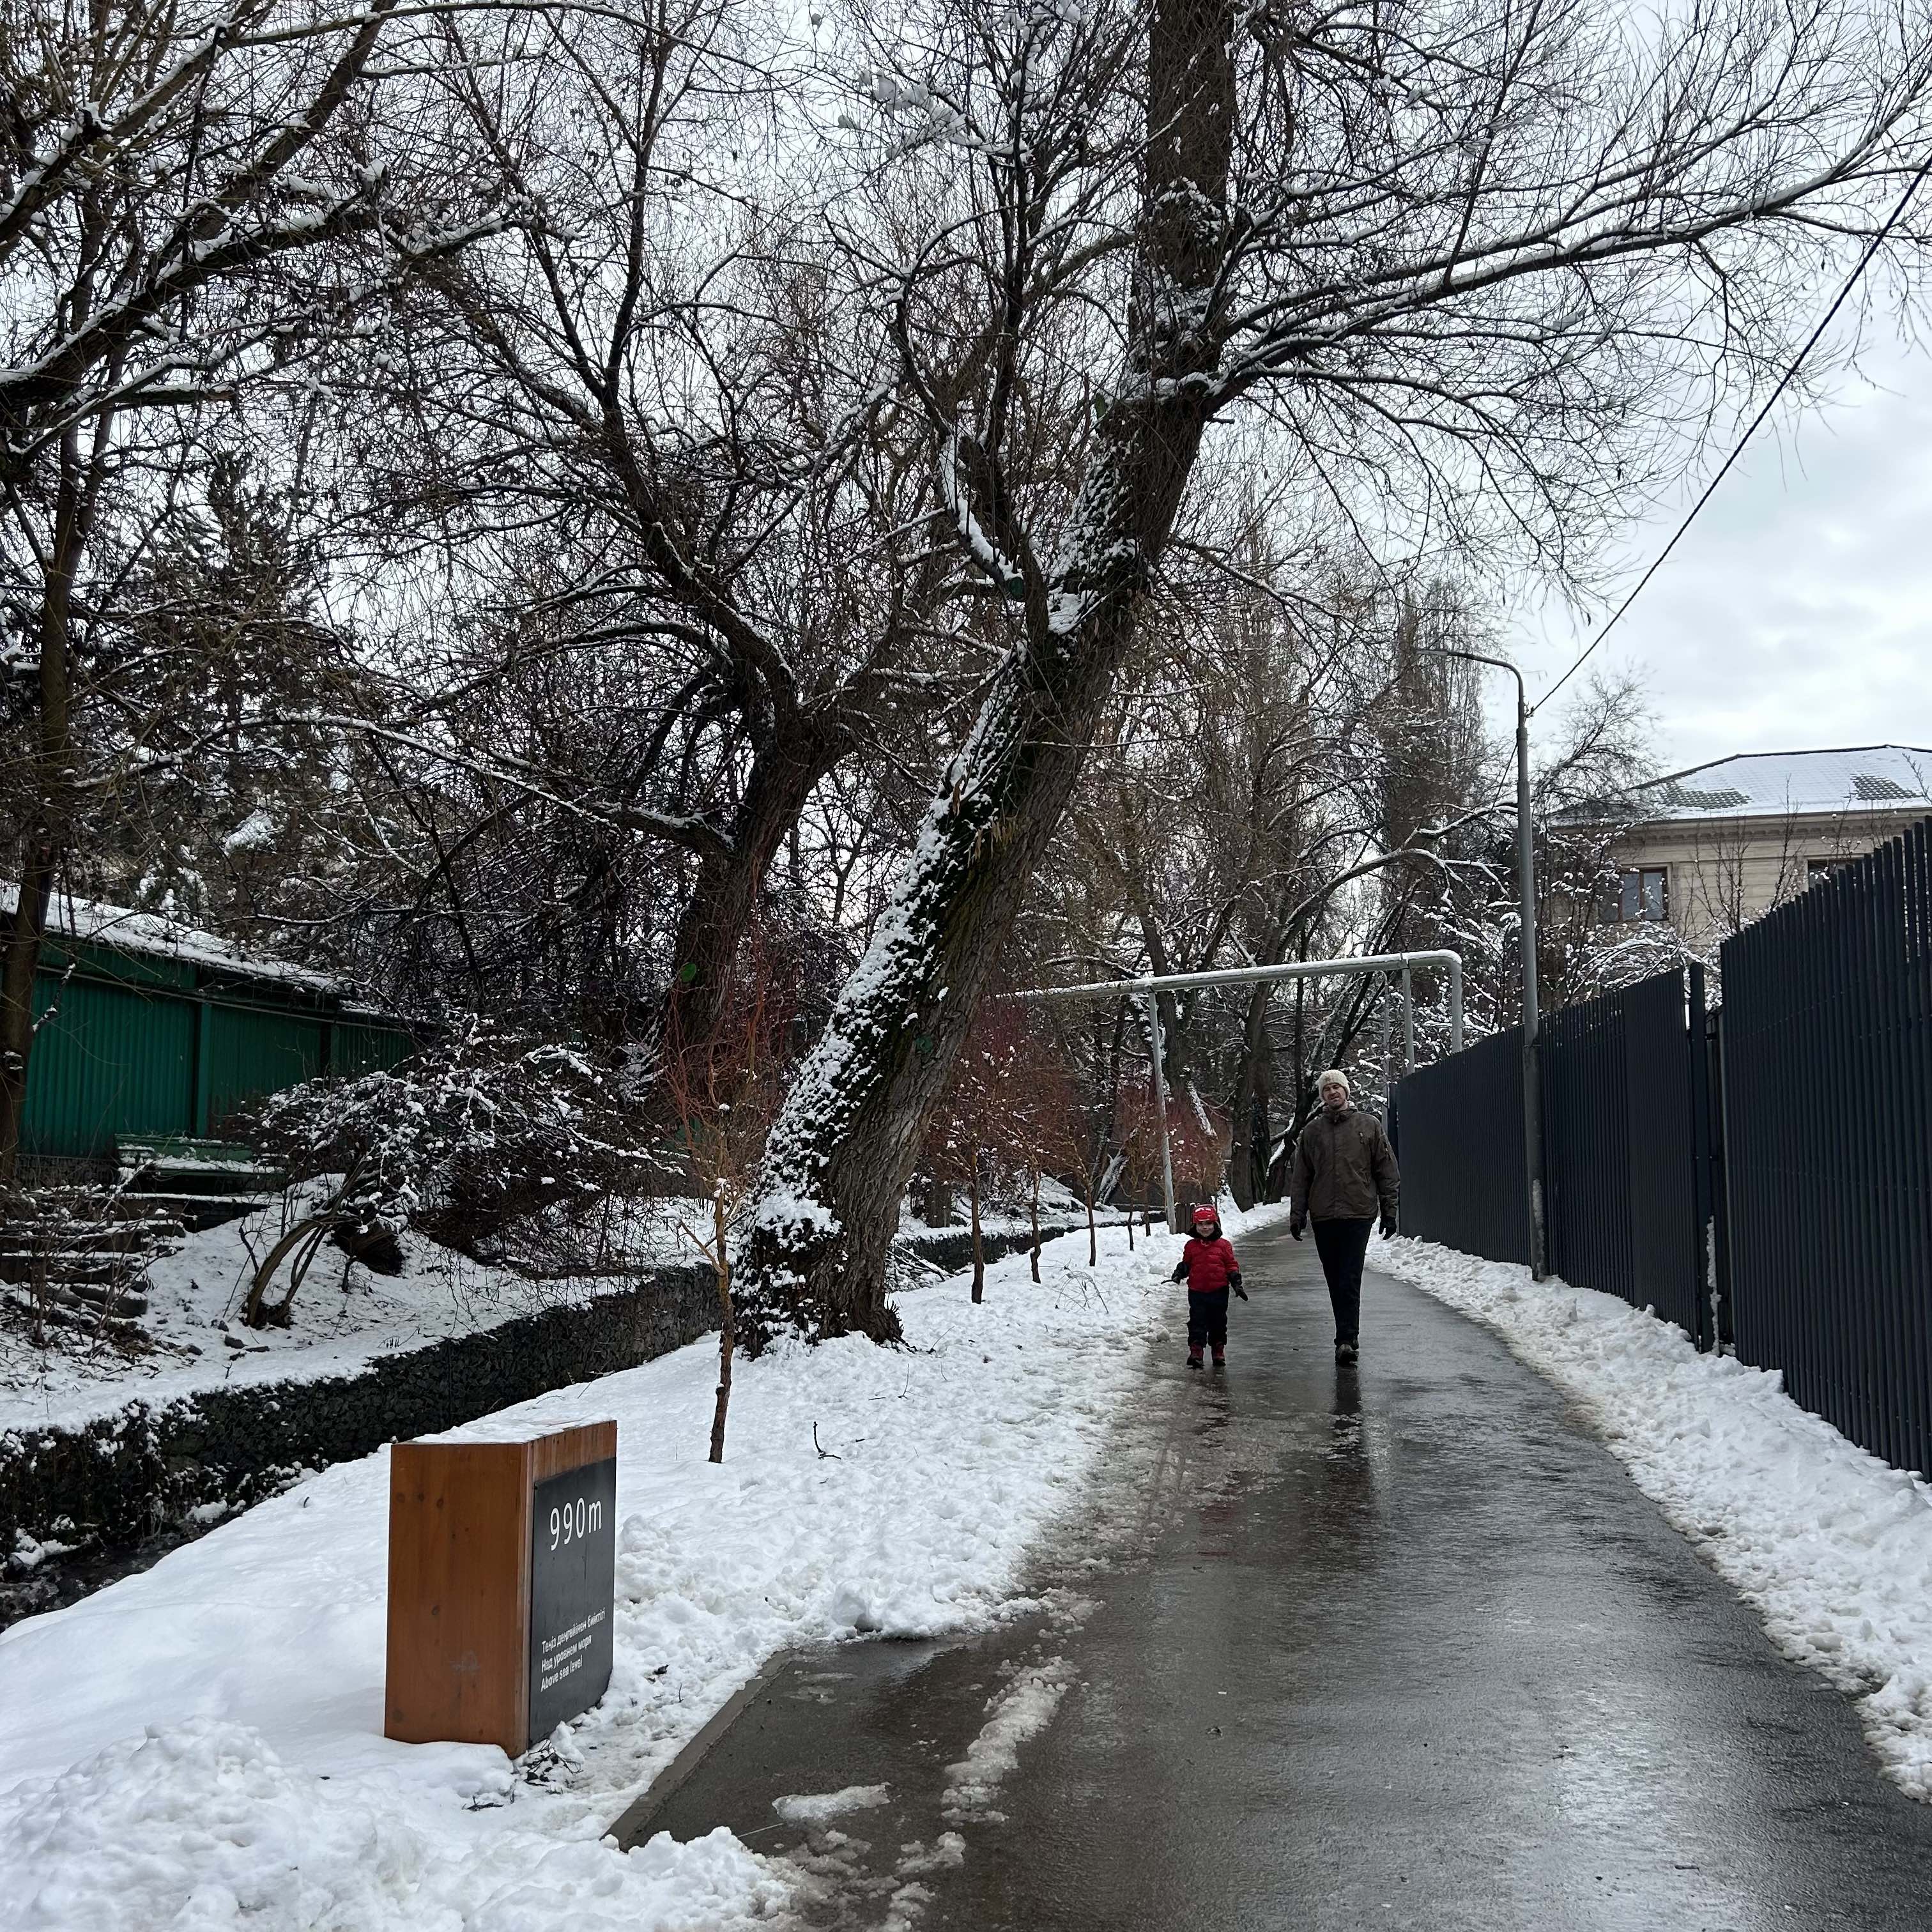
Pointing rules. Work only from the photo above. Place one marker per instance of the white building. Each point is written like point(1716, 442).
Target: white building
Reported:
point(1711, 849)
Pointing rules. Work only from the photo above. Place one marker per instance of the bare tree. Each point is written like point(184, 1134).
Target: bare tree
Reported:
point(161, 168)
point(661, 379)
point(1466, 260)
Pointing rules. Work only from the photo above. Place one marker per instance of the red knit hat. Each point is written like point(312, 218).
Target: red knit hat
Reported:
point(1205, 1213)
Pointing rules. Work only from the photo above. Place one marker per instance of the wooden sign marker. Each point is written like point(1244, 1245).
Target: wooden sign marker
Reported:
point(502, 1575)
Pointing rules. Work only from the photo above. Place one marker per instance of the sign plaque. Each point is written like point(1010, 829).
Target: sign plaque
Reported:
point(573, 1583)
point(503, 1573)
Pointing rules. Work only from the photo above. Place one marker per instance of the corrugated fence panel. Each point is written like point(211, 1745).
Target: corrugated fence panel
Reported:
point(103, 960)
point(1666, 1237)
point(112, 1060)
point(1827, 1099)
point(1458, 1129)
point(251, 1053)
point(355, 1048)
point(1620, 1149)
point(1586, 1146)
point(120, 1057)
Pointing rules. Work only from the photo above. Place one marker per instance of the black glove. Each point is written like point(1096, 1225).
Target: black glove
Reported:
point(1296, 1223)
point(1388, 1226)
point(1234, 1282)
point(1179, 1272)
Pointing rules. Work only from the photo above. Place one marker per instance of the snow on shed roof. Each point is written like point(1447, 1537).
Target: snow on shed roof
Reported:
point(1758, 784)
point(151, 935)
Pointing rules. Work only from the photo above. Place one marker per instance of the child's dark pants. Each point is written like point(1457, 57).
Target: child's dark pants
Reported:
point(1207, 1318)
point(1342, 1246)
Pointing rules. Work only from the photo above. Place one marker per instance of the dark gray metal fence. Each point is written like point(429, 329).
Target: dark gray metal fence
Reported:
point(1827, 1127)
point(1457, 1127)
point(1619, 1136)
point(1780, 1153)
point(1621, 1142)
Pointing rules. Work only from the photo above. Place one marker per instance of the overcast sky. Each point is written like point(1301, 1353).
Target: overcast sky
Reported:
point(1797, 609)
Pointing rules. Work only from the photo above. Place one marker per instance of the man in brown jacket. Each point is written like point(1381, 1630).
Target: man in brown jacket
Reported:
point(1345, 1175)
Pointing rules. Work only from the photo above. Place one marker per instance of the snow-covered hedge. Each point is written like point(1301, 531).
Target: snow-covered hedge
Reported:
point(482, 1126)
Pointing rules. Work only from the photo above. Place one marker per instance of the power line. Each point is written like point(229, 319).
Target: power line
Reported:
point(1738, 449)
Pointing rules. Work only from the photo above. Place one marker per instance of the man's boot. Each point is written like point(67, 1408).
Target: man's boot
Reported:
point(1345, 1349)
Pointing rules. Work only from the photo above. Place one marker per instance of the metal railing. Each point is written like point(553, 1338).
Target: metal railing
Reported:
point(1148, 987)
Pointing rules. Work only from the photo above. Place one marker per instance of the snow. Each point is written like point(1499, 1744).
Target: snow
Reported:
point(255, 831)
point(204, 1825)
point(782, 1209)
point(28, 1554)
point(1772, 784)
point(1832, 1547)
point(345, 1316)
point(1019, 1714)
point(815, 1808)
point(121, 929)
point(201, 1744)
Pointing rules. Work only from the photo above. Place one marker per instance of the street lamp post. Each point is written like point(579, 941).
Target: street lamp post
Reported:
point(1525, 878)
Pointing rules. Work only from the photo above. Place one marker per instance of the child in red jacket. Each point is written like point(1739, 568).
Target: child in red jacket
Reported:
point(1208, 1265)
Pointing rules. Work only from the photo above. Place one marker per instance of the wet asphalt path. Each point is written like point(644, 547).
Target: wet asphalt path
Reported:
point(1395, 1646)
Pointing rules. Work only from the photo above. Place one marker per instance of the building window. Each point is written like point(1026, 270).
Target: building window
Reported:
point(1642, 893)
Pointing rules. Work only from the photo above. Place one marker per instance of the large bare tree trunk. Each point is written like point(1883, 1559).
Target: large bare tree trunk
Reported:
point(1248, 1087)
point(42, 840)
point(846, 1141)
point(718, 917)
point(25, 931)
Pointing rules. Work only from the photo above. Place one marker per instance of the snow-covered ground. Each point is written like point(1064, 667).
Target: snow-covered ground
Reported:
point(1831, 1547)
point(201, 1745)
point(345, 1316)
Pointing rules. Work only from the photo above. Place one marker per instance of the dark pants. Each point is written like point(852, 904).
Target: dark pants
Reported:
point(1342, 1244)
point(1207, 1318)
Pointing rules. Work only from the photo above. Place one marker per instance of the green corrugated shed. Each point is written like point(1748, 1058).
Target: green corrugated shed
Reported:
point(149, 1041)
point(251, 1054)
point(367, 1047)
point(111, 1060)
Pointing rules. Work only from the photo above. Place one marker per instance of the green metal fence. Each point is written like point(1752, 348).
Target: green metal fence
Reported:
point(144, 1046)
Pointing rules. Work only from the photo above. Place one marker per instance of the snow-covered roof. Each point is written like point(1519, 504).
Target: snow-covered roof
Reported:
point(150, 935)
point(1761, 785)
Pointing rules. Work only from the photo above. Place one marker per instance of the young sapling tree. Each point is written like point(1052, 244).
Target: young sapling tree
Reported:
point(723, 1081)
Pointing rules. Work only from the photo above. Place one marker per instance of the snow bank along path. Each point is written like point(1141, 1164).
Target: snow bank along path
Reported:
point(1831, 1547)
point(202, 1745)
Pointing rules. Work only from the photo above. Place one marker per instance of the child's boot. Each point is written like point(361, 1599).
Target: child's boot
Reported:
point(1194, 1354)
point(1220, 1358)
